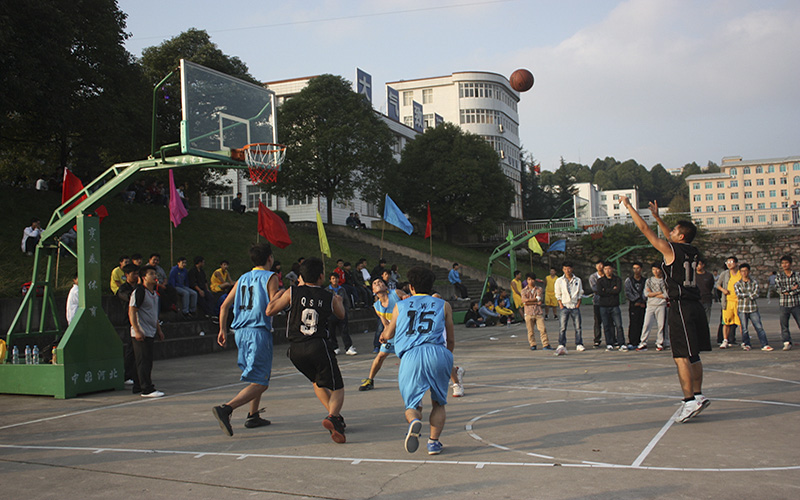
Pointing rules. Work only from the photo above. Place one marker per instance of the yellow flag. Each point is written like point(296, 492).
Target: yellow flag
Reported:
point(535, 247)
point(323, 240)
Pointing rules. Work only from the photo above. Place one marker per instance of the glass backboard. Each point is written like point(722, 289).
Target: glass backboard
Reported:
point(221, 112)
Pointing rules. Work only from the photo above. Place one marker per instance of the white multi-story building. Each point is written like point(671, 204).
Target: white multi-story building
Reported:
point(479, 102)
point(601, 207)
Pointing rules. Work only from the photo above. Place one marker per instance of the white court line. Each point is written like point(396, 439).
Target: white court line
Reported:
point(752, 375)
point(655, 440)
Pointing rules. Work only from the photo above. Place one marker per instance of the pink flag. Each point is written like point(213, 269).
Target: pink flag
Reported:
point(176, 209)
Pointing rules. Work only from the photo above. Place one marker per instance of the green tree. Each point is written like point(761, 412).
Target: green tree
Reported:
point(70, 94)
point(536, 202)
point(459, 173)
point(335, 144)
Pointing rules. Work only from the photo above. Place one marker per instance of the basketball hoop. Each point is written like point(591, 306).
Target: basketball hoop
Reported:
point(263, 160)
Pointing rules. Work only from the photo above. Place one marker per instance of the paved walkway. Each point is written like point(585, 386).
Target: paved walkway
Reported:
point(532, 425)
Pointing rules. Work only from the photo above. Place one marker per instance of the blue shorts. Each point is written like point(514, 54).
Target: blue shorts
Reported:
point(424, 367)
point(255, 354)
point(388, 348)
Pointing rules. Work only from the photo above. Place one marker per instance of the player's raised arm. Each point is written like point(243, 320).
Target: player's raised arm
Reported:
point(659, 244)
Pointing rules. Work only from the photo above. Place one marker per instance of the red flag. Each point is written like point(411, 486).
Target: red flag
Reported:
point(72, 186)
point(428, 225)
point(176, 209)
point(272, 227)
point(543, 238)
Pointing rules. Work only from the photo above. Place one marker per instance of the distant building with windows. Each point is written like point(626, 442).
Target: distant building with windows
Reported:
point(593, 206)
point(746, 193)
point(479, 102)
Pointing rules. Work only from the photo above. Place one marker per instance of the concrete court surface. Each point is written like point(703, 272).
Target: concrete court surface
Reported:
point(532, 425)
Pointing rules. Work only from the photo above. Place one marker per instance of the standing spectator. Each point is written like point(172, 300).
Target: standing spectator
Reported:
point(31, 235)
point(124, 295)
point(788, 285)
point(454, 277)
point(705, 283)
point(338, 325)
point(73, 300)
point(598, 320)
point(118, 275)
point(730, 303)
point(569, 292)
point(771, 286)
point(550, 301)
point(178, 280)
point(532, 300)
point(196, 281)
point(516, 291)
point(237, 205)
point(637, 302)
point(655, 289)
point(746, 290)
point(609, 288)
point(221, 281)
point(143, 315)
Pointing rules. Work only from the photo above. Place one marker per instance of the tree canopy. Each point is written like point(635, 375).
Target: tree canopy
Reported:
point(459, 173)
point(336, 144)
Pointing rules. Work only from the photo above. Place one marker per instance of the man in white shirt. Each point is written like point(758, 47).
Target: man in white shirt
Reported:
point(569, 291)
point(72, 299)
point(30, 236)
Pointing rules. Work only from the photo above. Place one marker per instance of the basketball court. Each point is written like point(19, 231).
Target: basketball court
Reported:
point(595, 424)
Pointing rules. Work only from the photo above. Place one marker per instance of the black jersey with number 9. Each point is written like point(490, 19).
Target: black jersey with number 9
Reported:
point(680, 275)
point(310, 309)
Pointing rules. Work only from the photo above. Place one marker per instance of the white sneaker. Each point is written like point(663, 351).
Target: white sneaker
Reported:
point(609, 348)
point(724, 344)
point(580, 348)
point(561, 350)
point(689, 410)
point(351, 351)
point(787, 346)
point(623, 347)
point(337, 351)
point(703, 402)
point(458, 390)
point(154, 394)
point(460, 376)
point(128, 382)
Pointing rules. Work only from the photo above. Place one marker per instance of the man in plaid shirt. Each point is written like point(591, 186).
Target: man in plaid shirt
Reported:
point(788, 285)
point(746, 290)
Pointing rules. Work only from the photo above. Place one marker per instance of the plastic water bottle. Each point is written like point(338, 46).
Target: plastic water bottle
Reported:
point(53, 357)
point(15, 356)
point(36, 355)
point(28, 355)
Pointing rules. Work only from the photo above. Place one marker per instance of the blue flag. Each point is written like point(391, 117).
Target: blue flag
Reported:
point(558, 246)
point(394, 216)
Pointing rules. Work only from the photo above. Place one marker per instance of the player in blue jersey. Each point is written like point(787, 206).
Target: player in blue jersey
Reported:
point(249, 298)
point(311, 307)
point(422, 329)
point(384, 307)
point(688, 326)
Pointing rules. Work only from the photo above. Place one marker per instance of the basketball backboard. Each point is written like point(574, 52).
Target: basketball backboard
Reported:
point(221, 112)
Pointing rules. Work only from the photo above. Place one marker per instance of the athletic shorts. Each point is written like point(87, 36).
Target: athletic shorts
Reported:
point(424, 367)
point(255, 354)
point(688, 328)
point(730, 315)
point(388, 348)
point(315, 359)
point(550, 300)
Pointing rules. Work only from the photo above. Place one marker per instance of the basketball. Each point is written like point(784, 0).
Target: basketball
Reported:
point(521, 80)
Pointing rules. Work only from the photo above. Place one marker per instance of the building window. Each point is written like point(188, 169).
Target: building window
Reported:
point(771, 169)
point(746, 170)
point(603, 197)
point(747, 183)
point(748, 194)
point(761, 206)
point(427, 96)
point(721, 196)
point(759, 170)
point(710, 221)
point(709, 208)
point(759, 194)
point(734, 184)
point(722, 220)
point(783, 168)
point(696, 185)
point(773, 204)
point(696, 197)
point(698, 209)
point(733, 171)
point(408, 97)
point(721, 208)
point(720, 184)
point(762, 218)
point(709, 197)
point(784, 192)
point(734, 196)
point(796, 166)
point(748, 218)
point(772, 193)
point(785, 217)
point(709, 185)
point(759, 182)
point(735, 220)
point(748, 206)
point(616, 196)
point(796, 190)
point(771, 181)
point(408, 121)
point(784, 180)
point(735, 207)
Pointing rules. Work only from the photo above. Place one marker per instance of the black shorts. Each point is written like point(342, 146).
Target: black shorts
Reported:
point(315, 359)
point(688, 328)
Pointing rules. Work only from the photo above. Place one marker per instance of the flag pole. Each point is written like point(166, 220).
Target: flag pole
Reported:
point(171, 257)
point(383, 228)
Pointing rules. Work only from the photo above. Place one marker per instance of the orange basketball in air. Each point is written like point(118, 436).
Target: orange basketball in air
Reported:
point(521, 80)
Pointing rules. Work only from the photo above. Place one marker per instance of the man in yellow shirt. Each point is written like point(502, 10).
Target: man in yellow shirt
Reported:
point(117, 276)
point(516, 293)
point(730, 302)
point(221, 280)
point(550, 301)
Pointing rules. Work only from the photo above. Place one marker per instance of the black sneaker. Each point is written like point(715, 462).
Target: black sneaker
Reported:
point(335, 425)
point(256, 420)
point(223, 415)
point(366, 385)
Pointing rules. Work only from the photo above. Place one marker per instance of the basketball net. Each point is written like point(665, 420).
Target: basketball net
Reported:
point(263, 161)
point(595, 230)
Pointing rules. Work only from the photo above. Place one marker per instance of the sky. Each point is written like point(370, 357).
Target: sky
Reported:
point(665, 82)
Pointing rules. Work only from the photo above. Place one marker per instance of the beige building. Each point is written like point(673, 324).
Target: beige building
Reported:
point(747, 194)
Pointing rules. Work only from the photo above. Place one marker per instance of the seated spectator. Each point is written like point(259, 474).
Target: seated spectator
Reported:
point(486, 312)
point(502, 306)
point(386, 276)
point(351, 221)
point(70, 238)
point(31, 235)
point(41, 184)
point(196, 279)
point(237, 205)
point(117, 275)
point(362, 295)
point(167, 296)
point(472, 318)
point(395, 273)
point(377, 271)
point(454, 277)
point(359, 224)
point(178, 276)
point(221, 281)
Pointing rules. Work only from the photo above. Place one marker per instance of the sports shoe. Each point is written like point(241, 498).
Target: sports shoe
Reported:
point(256, 420)
point(767, 348)
point(561, 350)
point(460, 375)
point(412, 437)
point(533, 348)
point(787, 346)
point(724, 344)
point(580, 348)
point(659, 347)
point(745, 347)
point(434, 447)
point(223, 415)
point(128, 382)
point(630, 347)
point(689, 410)
point(703, 402)
point(458, 390)
point(159, 394)
point(366, 385)
point(547, 348)
point(335, 425)
point(337, 351)
point(642, 347)
point(351, 352)
point(609, 348)
point(623, 347)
